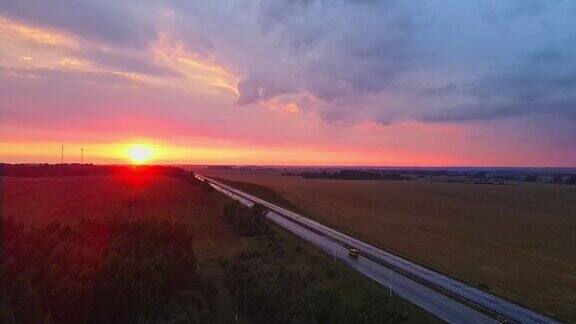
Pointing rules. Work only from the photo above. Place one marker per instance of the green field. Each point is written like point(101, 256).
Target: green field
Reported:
point(515, 240)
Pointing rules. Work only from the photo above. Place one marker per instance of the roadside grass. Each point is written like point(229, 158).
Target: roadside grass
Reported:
point(344, 278)
point(264, 193)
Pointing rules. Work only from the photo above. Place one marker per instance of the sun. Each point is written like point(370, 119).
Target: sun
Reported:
point(139, 153)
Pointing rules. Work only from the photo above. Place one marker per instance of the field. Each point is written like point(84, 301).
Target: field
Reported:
point(516, 240)
point(37, 201)
point(65, 199)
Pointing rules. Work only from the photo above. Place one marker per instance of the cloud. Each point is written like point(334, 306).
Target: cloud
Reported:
point(544, 82)
point(336, 63)
point(350, 47)
point(128, 62)
point(348, 54)
point(351, 53)
point(249, 92)
point(115, 22)
point(503, 12)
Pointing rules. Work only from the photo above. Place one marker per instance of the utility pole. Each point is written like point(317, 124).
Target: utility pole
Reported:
point(390, 281)
point(62, 154)
point(81, 155)
point(236, 306)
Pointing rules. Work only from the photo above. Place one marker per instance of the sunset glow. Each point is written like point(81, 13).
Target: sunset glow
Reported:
point(251, 85)
point(139, 153)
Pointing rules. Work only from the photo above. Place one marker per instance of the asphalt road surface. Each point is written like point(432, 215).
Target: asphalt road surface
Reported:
point(445, 297)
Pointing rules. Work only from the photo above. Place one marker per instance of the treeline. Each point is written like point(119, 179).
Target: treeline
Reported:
point(279, 282)
point(456, 175)
point(351, 174)
point(115, 271)
point(571, 180)
point(220, 167)
point(73, 169)
point(246, 221)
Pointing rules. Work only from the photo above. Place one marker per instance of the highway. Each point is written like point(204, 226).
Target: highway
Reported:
point(447, 298)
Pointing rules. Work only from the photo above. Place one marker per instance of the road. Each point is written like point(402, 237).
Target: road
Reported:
point(447, 298)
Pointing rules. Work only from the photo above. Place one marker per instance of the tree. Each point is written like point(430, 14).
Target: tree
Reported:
point(557, 179)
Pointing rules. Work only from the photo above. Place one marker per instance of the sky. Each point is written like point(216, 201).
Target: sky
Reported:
point(290, 82)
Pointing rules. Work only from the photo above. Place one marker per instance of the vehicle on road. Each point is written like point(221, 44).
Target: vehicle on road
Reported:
point(353, 252)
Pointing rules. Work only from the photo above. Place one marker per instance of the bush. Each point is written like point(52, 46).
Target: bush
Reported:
point(484, 286)
point(244, 220)
point(207, 187)
point(331, 273)
point(223, 263)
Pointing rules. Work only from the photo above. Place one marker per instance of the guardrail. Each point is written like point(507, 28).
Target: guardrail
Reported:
point(493, 306)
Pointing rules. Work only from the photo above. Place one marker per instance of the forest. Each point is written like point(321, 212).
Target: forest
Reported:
point(102, 271)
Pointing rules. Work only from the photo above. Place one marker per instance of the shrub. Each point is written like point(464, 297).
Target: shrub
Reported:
point(244, 220)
